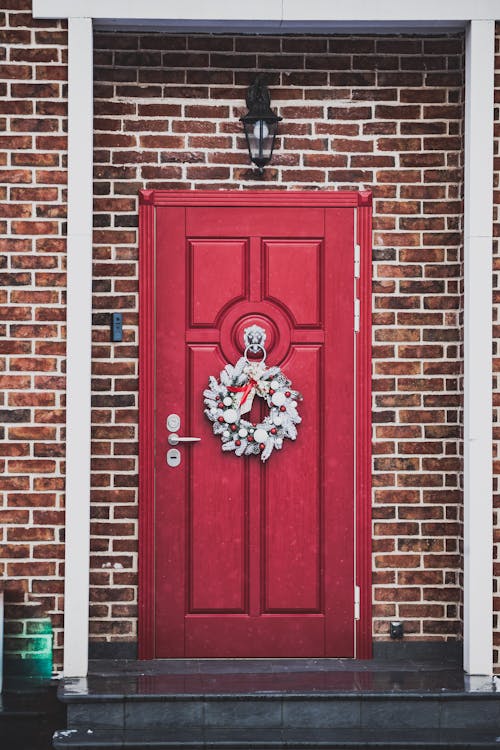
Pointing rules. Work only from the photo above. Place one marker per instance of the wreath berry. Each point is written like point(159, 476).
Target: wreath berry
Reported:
point(230, 397)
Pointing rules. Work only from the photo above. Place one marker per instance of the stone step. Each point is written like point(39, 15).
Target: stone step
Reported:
point(282, 704)
point(270, 739)
point(284, 712)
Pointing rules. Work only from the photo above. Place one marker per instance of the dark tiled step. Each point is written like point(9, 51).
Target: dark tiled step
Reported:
point(195, 677)
point(274, 739)
point(283, 712)
point(266, 704)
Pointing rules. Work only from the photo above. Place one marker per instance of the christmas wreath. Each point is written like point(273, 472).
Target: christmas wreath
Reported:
point(230, 397)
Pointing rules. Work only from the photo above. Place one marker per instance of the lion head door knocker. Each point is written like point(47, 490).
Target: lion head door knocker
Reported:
point(255, 339)
point(230, 397)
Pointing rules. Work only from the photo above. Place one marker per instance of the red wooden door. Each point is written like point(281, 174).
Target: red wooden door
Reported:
point(253, 559)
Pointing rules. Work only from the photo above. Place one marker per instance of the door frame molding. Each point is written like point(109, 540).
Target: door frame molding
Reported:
point(148, 201)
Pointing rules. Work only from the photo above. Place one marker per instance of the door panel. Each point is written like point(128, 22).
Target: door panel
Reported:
point(291, 531)
point(242, 222)
point(255, 559)
point(216, 514)
point(206, 301)
point(285, 286)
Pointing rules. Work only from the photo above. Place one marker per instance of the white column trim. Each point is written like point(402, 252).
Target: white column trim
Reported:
point(478, 470)
point(79, 307)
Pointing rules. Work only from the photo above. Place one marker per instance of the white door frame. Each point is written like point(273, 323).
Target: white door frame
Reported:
point(282, 16)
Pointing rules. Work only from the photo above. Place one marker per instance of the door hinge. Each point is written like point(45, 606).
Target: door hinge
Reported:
point(357, 602)
point(357, 261)
point(356, 316)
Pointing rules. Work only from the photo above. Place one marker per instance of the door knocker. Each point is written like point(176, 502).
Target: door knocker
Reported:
point(231, 397)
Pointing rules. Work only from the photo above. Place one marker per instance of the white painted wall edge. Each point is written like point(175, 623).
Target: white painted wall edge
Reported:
point(478, 469)
point(277, 10)
point(79, 302)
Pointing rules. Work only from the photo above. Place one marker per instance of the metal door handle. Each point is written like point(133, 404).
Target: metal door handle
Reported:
point(175, 439)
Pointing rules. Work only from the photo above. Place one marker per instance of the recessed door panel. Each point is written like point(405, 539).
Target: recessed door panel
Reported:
point(294, 498)
point(217, 509)
point(210, 263)
point(291, 268)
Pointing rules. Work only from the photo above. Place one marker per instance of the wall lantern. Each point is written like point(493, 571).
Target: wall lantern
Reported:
point(260, 124)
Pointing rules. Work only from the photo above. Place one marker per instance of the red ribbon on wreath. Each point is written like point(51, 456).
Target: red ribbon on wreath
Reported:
point(245, 390)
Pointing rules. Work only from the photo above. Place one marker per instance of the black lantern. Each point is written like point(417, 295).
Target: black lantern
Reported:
point(260, 124)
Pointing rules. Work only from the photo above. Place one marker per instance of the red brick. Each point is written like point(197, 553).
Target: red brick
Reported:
point(34, 227)
point(52, 177)
point(31, 466)
point(25, 124)
point(35, 90)
point(10, 382)
point(25, 398)
point(32, 569)
point(421, 610)
point(34, 54)
point(349, 113)
point(14, 483)
point(17, 72)
point(29, 534)
point(15, 176)
point(397, 561)
point(32, 433)
point(397, 496)
point(11, 551)
point(13, 36)
point(15, 347)
point(398, 594)
point(37, 159)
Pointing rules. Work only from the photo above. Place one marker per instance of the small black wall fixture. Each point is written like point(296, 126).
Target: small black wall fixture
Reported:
point(260, 124)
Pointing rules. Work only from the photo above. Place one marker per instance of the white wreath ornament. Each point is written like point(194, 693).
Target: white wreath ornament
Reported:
point(230, 397)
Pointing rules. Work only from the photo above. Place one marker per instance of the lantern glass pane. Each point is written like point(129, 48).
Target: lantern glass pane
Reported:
point(253, 135)
point(260, 136)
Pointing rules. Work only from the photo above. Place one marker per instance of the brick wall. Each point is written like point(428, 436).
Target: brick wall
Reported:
point(373, 112)
point(496, 360)
point(32, 313)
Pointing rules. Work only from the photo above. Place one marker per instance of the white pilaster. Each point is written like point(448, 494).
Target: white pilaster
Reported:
point(79, 306)
point(478, 217)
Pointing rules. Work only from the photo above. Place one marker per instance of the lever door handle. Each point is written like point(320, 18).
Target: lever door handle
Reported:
point(175, 439)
